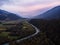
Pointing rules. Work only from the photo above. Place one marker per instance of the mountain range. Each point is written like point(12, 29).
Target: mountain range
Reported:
point(49, 22)
point(53, 13)
point(5, 15)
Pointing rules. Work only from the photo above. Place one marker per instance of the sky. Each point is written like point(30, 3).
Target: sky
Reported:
point(28, 8)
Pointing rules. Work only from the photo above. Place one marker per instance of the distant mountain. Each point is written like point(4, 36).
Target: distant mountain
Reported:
point(4, 15)
point(50, 14)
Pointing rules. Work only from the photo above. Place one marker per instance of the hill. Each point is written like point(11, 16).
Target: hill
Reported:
point(49, 23)
point(53, 13)
point(5, 15)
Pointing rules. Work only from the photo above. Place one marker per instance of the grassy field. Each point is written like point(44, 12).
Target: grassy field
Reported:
point(20, 30)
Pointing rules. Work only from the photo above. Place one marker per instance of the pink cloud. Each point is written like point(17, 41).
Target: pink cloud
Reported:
point(28, 9)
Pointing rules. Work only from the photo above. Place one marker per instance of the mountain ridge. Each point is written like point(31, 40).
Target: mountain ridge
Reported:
point(5, 15)
point(53, 13)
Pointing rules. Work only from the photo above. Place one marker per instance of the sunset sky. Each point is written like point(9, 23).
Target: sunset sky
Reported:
point(27, 8)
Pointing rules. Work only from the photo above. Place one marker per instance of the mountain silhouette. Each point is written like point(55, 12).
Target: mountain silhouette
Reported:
point(5, 15)
point(53, 13)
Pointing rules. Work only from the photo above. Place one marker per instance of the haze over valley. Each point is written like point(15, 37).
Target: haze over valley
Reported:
point(29, 22)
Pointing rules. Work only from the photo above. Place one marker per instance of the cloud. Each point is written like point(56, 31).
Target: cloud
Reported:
point(27, 2)
point(4, 2)
point(26, 7)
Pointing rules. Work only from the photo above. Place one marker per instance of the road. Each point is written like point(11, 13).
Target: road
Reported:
point(37, 31)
